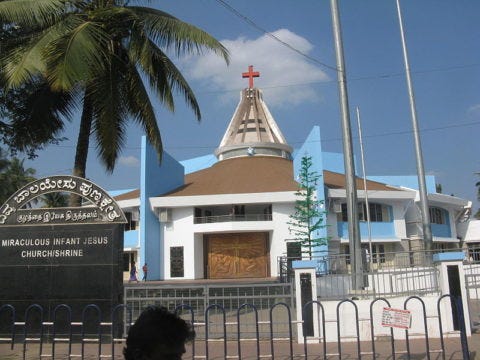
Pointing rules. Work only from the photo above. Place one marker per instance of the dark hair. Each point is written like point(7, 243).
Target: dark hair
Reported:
point(154, 326)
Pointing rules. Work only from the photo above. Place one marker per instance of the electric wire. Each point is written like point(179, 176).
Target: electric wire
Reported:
point(387, 133)
point(274, 37)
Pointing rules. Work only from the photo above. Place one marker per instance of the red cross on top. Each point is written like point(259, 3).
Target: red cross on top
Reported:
point(250, 74)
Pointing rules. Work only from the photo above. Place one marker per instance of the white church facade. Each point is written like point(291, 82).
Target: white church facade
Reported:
point(225, 215)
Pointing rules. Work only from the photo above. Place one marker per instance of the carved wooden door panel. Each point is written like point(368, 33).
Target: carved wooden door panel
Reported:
point(221, 259)
point(237, 255)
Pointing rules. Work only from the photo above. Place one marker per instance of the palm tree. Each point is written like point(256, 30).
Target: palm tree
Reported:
point(98, 52)
point(4, 162)
point(14, 176)
point(19, 130)
point(54, 199)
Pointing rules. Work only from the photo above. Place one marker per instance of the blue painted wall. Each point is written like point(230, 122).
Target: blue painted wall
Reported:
point(198, 163)
point(155, 180)
point(334, 162)
point(130, 239)
point(380, 230)
point(442, 230)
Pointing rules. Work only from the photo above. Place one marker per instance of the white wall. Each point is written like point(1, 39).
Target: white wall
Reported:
point(199, 262)
point(399, 219)
point(180, 233)
point(347, 317)
point(280, 215)
point(183, 232)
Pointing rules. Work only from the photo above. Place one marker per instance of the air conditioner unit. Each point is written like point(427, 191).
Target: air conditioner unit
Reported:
point(337, 207)
point(165, 215)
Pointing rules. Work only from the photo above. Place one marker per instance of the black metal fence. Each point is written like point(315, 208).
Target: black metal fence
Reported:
point(389, 274)
point(230, 296)
point(90, 338)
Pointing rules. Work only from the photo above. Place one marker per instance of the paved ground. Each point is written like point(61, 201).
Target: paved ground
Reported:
point(281, 350)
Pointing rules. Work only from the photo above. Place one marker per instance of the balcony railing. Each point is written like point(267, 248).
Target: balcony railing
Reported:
point(230, 218)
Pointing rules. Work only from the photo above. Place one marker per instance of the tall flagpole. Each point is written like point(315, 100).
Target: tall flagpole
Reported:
point(350, 186)
point(427, 230)
point(365, 185)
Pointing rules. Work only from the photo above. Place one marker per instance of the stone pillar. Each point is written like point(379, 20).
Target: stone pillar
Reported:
point(452, 281)
point(306, 291)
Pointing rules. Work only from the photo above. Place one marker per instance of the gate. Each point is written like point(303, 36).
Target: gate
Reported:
point(472, 283)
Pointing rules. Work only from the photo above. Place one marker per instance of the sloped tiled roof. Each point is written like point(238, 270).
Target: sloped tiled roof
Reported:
point(337, 181)
point(134, 194)
point(240, 175)
point(255, 175)
point(251, 175)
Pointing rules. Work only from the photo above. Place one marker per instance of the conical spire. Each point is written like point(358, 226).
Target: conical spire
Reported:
point(252, 129)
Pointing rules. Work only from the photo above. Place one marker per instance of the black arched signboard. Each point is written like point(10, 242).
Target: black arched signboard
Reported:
point(50, 256)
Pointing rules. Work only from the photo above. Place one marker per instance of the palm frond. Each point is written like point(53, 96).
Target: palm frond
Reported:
point(35, 116)
point(109, 113)
point(163, 76)
point(21, 64)
point(141, 109)
point(25, 60)
point(77, 55)
point(141, 53)
point(173, 34)
point(31, 13)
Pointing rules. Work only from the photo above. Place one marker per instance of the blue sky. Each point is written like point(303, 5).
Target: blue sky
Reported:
point(444, 52)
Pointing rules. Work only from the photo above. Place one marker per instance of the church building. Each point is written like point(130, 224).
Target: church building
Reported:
point(225, 215)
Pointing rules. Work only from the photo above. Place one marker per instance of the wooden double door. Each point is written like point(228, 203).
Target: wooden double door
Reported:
point(239, 255)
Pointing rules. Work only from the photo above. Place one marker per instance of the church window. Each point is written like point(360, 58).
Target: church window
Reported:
point(378, 212)
point(294, 250)
point(176, 261)
point(198, 212)
point(132, 221)
point(437, 215)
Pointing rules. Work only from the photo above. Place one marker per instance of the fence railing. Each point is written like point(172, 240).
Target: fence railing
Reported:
point(384, 274)
point(199, 296)
point(326, 334)
point(234, 217)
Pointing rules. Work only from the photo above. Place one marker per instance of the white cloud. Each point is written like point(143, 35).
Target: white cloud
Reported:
point(474, 110)
point(278, 65)
point(129, 161)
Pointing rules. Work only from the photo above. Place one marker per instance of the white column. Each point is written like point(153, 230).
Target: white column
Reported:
point(300, 268)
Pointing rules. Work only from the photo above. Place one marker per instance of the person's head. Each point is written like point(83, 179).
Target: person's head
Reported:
point(157, 335)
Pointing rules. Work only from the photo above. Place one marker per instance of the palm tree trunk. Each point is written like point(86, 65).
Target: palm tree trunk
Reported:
point(83, 141)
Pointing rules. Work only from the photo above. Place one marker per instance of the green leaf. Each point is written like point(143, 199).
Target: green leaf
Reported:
point(32, 13)
point(78, 55)
point(162, 74)
point(173, 34)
